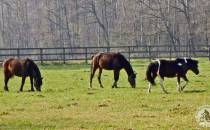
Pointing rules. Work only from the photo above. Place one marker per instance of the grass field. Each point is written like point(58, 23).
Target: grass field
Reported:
point(66, 102)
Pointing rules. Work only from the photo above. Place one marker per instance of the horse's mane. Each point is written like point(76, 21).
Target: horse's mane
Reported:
point(127, 64)
point(35, 68)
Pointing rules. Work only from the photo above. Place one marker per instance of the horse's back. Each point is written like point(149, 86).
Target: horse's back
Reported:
point(108, 61)
point(171, 68)
point(14, 66)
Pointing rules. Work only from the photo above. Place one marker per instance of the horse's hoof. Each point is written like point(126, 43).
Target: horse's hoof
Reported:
point(114, 86)
point(166, 92)
point(182, 89)
point(6, 89)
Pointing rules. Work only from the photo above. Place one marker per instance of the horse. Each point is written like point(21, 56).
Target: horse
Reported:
point(171, 68)
point(22, 68)
point(112, 61)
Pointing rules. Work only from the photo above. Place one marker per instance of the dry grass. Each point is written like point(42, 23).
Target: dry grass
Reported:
point(67, 103)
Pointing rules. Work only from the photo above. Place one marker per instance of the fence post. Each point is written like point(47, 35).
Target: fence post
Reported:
point(64, 56)
point(108, 49)
point(209, 52)
point(129, 54)
point(41, 55)
point(18, 53)
point(86, 57)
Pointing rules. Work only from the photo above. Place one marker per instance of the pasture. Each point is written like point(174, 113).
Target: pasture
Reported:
point(66, 102)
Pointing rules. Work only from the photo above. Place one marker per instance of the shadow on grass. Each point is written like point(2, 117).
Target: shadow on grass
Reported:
point(126, 87)
point(195, 91)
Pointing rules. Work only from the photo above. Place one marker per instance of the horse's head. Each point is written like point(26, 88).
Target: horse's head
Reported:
point(132, 80)
point(38, 83)
point(193, 65)
point(36, 76)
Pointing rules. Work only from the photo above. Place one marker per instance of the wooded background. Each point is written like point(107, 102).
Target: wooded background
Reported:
point(83, 23)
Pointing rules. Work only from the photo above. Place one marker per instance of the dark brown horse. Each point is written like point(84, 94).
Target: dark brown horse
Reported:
point(112, 61)
point(22, 68)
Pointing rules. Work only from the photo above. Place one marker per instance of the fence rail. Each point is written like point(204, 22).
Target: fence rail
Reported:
point(85, 53)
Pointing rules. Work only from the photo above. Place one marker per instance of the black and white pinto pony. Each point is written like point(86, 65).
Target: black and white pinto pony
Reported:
point(171, 68)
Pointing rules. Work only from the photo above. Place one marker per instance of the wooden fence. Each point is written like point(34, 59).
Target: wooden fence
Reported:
point(85, 53)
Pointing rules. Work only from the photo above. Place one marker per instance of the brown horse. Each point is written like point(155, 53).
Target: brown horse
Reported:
point(112, 61)
point(22, 68)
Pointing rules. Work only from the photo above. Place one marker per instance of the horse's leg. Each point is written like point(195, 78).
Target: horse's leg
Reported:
point(31, 80)
point(6, 80)
point(116, 78)
point(99, 77)
point(162, 86)
point(150, 85)
point(178, 84)
point(149, 88)
point(93, 70)
point(22, 83)
point(186, 80)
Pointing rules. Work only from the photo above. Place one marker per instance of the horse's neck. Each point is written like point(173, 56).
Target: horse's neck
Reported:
point(35, 71)
point(128, 68)
point(186, 68)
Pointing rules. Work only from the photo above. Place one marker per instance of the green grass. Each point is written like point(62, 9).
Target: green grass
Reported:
point(66, 102)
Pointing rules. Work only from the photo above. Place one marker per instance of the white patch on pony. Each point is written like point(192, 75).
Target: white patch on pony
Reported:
point(151, 74)
point(179, 64)
point(185, 59)
point(158, 60)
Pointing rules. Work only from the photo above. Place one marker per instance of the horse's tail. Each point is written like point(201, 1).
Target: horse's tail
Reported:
point(6, 62)
point(91, 64)
point(91, 68)
point(92, 57)
point(151, 73)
